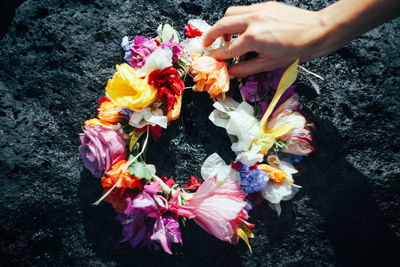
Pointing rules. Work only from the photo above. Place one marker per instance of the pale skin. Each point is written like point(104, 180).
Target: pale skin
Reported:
point(281, 33)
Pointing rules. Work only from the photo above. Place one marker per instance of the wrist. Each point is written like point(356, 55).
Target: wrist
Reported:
point(319, 40)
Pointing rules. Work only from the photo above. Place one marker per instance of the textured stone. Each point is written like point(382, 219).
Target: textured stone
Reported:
point(55, 60)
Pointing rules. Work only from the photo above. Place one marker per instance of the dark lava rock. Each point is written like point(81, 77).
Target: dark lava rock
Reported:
point(55, 60)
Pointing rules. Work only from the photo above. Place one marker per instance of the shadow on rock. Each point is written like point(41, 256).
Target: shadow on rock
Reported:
point(354, 224)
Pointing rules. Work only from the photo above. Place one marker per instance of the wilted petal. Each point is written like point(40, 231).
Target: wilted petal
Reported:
point(214, 165)
point(275, 192)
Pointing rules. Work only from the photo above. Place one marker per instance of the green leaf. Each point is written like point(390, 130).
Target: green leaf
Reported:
point(167, 33)
point(138, 169)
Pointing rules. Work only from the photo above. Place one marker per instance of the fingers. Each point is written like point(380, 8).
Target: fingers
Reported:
point(227, 37)
point(253, 66)
point(240, 10)
point(226, 25)
point(235, 48)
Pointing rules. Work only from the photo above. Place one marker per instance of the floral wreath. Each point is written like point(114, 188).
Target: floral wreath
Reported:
point(267, 129)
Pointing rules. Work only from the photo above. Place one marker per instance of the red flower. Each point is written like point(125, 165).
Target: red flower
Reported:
point(168, 85)
point(192, 32)
point(103, 99)
point(155, 131)
point(170, 182)
point(194, 184)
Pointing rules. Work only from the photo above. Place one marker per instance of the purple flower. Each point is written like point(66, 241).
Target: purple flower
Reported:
point(125, 44)
point(127, 112)
point(166, 231)
point(145, 224)
point(140, 49)
point(261, 87)
point(175, 48)
point(252, 180)
point(100, 148)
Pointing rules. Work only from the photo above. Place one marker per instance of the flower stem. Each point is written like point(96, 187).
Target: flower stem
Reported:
point(125, 169)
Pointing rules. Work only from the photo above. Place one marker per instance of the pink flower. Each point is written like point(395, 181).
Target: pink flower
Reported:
point(217, 209)
point(141, 49)
point(299, 139)
point(100, 148)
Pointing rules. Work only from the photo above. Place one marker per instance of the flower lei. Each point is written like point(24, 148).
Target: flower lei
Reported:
point(145, 95)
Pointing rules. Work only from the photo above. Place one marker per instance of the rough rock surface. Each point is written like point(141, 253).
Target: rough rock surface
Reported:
point(55, 60)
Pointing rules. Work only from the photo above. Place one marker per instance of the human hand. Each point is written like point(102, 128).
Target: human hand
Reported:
point(277, 32)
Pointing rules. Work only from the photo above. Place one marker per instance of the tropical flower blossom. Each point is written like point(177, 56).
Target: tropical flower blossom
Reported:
point(214, 166)
point(238, 120)
point(296, 135)
point(193, 185)
point(176, 49)
point(261, 87)
point(217, 209)
point(250, 157)
point(252, 180)
point(140, 49)
point(117, 197)
point(100, 148)
point(274, 174)
point(195, 44)
point(97, 122)
point(119, 176)
point(145, 224)
point(160, 59)
point(109, 112)
point(192, 32)
point(147, 116)
point(166, 231)
point(168, 85)
point(129, 90)
point(210, 75)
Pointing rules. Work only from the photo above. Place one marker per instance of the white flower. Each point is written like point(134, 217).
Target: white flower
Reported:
point(238, 120)
point(250, 157)
point(195, 45)
point(275, 192)
point(214, 165)
point(146, 116)
point(158, 60)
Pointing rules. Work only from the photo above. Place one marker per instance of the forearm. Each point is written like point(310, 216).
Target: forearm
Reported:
point(347, 19)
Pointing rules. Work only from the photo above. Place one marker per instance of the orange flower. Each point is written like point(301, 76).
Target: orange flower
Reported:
point(97, 122)
point(109, 112)
point(118, 171)
point(210, 75)
point(174, 113)
point(274, 174)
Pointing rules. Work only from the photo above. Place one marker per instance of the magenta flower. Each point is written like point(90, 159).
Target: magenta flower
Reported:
point(100, 148)
point(145, 223)
point(166, 231)
point(141, 49)
point(175, 48)
point(218, 209)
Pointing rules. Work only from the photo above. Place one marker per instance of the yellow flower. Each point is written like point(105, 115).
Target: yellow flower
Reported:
point(244, 232)
point(267, 137)
point(128, 90)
